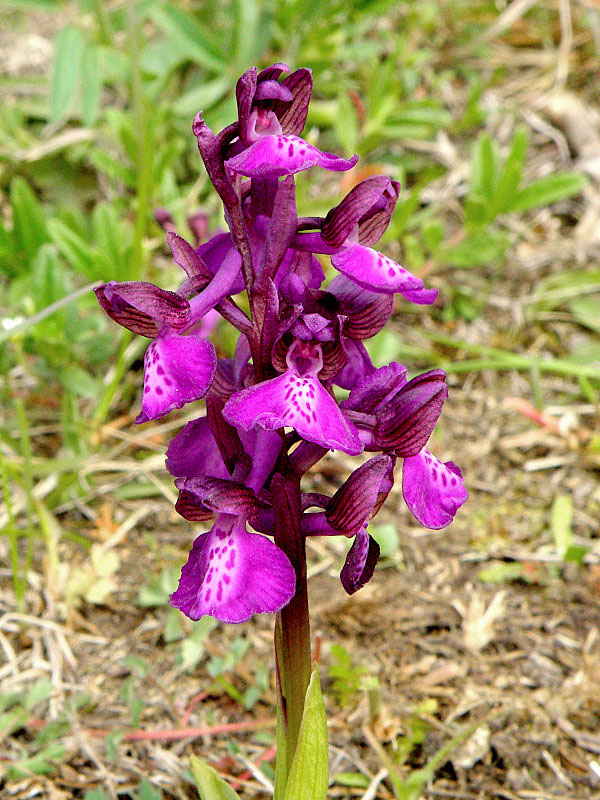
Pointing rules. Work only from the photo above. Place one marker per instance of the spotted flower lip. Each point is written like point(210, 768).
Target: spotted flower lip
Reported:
point(232, 574)
point(298, 400)
point(275, 156)
point(177, 370)
point(434, 491)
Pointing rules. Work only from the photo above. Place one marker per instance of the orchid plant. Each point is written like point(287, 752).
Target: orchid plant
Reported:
point(271, 411)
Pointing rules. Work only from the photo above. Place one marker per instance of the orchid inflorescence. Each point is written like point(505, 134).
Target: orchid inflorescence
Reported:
point(271, 410)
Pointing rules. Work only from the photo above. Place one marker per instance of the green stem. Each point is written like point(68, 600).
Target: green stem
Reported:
point(122, 363)
point(292, 632)
point(103, 21)
point(144, 163)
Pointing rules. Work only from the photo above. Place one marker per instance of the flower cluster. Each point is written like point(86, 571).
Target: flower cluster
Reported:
point(271, 410)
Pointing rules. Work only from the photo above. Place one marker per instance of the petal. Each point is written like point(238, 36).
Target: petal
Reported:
point(432, 490)
point(299, 403)
point(187, 258)
point(358, 367)
point(177, 370)
point(360, 562)
point(274, 156)
point(373, 270)
point(194, 452)
point(232, 574)
point(216, 251)
point(143, 307)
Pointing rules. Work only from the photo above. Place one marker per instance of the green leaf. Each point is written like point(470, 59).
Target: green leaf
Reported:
point(75, 249)
point(309, 774)
point(96, 794)
point(548, 190)
point(483, 246)
point(29, 228)
point(201, 97)
point(499, 573)
point(40, 691)
point(91, 84)
point(147, 792)
point(67, 66)
point(346, 123)
point(386, 536)
point(561, 518)
point(510, 177)
point(189, 36)
point(586, 311)
point(353, 780)
point(209, 784)
point(484, 167)
point(80, 383)
point(247, 26)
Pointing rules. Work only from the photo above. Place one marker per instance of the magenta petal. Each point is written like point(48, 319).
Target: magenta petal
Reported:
point(274, 156)
point(194, 452)
point(177, 370)
point(373, 270)
point(299, 403)
point(360, 562)
point(358, 367)
point(432, 490)
point(232, 574)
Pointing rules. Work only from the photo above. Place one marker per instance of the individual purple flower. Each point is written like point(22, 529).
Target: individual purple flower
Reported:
point(350, 229)
point(398, 416)
point(271, 115)
point(296, 399)
point(232, 574)
point(178, 368)
point(348, 512)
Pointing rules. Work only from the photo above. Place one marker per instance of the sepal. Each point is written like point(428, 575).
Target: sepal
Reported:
point(351, 506)
point(142, 307)
point(406, 421)
point(360, 562)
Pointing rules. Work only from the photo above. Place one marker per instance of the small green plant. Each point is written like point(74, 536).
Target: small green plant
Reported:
point(346, 678)
point(36, 754)
point(144, 791)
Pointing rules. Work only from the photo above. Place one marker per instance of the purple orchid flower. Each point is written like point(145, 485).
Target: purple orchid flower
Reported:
point(350, 229)
point(398, 416)
point(271, 114)
point(168, 380)
point(271, 410)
